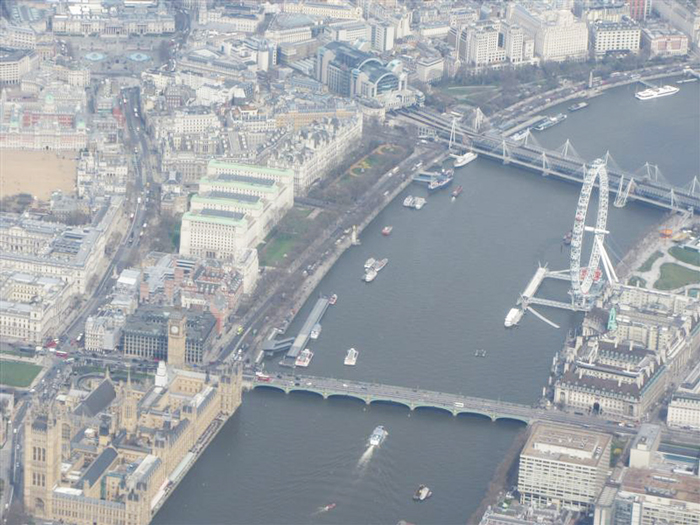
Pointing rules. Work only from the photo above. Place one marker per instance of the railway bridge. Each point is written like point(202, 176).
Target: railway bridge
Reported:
point(563, 163)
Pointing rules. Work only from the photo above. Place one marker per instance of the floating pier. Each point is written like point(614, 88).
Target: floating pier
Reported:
point(528, 297)
point(301, 340)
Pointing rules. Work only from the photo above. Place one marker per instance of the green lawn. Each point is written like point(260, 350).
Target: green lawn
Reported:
point(685, 255)
point(650, 261)
point(273, 252)
point(674, 276)
point(290, 230)
point(14, 373)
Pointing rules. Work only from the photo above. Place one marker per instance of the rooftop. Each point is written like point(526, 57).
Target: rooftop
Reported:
point(662, 484)
point(566, 444)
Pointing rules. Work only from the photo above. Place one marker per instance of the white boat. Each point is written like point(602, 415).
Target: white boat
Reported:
point(463, 160)
point(419, 202)
point(369, 263)
point(370, 276)
point(578, 106)
point(379, 265)
point(408, 201)
point(513, 317)
point(304, 358)
point(422, 494)
point(378, 436)
point(663, 91)
point(520, 135)
point(351, 357)
point(315, 331)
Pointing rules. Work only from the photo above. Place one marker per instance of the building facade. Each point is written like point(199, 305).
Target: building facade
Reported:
point(110, 456)
point(616, 36)
point(147, 333)
point(564, 466)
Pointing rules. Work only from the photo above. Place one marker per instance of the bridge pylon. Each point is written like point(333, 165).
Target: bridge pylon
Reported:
point(545, 164)
point(506, 152)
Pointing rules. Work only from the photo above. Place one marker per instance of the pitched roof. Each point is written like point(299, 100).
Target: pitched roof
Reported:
point(98, 400)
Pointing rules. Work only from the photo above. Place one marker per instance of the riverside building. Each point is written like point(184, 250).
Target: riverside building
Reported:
point(564, 466)
point(113, 455)
point(607, 37)
point(558, 34)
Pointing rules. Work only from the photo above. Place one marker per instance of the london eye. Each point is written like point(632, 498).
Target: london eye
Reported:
point(582, 279)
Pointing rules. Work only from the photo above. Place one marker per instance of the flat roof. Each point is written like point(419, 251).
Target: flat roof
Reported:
point(221, 165)
point(241, 199)
point(242, 181)
point(566, 444)
point(662, 484)
point(216, 217)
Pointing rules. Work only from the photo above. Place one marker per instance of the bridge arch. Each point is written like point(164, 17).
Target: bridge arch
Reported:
point(474, 413)
point(345, 395)
point(518, 419)
point(266, 386)
point(305, 390)
point(388, 401)
point(435, 408)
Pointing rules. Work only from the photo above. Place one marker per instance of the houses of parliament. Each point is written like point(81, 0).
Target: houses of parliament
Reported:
point(113, 455)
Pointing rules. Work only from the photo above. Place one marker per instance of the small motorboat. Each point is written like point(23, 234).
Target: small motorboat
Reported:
point(387, 230)
point(422, 494)
point(333, 299)
point(328, 507)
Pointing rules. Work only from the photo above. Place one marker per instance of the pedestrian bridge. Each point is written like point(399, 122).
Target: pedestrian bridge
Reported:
point(412, 398)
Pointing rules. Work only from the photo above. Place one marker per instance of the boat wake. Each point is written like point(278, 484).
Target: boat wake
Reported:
point(364, 459)
point(324, 509)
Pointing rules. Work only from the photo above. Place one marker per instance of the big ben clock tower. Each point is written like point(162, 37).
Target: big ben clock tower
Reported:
point(177, 340)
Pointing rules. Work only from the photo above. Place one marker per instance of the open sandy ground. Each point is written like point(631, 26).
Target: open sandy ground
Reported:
point(36, 172)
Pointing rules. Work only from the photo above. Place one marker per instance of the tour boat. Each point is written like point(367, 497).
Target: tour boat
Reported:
point(463, 160)
point(378, 436)
point(351, 357)
point(577, 106)
point(304, 358)
point(422, 493)
point(656, 92)
point(369, 263)
point(513, 317)
point(408, 201)
point(419, 202)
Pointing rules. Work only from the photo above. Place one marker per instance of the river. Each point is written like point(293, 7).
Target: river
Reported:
point(455, 269)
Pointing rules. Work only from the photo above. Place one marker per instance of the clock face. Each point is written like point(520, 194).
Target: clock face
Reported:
point(174, 330)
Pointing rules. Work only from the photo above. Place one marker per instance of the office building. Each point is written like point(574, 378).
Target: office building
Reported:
point(640, 9)
point(148, 332)
point(651, 496)
point(558, 35)
point(607, 37)
point(15, 64)
point(564, 466)
point(663, 40)
point(616, 380)
point(684, 408)
point(683, 15)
